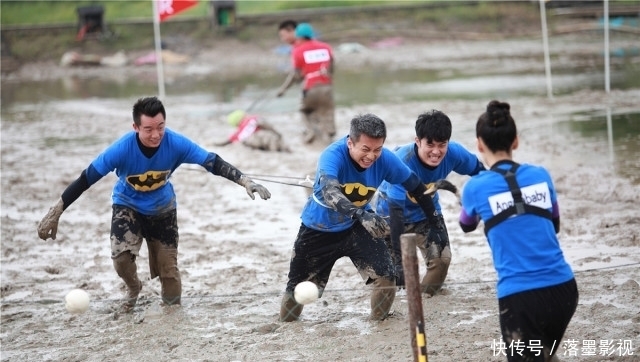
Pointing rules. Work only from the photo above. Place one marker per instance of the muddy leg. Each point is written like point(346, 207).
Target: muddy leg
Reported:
point(290, 310)
point(437, 269)
point(384, 292)
point(167, 267)
point(125, 266)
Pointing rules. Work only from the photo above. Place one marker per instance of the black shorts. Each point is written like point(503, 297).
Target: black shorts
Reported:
point(129, 227)
point(315, 252)
point(539, 317)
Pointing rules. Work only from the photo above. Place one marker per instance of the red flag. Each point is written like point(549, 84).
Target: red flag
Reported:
point(167, 8)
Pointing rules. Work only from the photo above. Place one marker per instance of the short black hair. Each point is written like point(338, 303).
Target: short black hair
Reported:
point(433, 125)
point(367, 124)
point(149, 106)
point(496, 127)
point(288, 24)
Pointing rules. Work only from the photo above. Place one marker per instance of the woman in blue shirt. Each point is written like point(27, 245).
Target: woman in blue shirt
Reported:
point(537, 292)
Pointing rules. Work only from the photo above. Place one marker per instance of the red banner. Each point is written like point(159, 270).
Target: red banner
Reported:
point(168, 8)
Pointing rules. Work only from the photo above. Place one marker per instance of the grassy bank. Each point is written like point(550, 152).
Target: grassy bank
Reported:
point(23, 12)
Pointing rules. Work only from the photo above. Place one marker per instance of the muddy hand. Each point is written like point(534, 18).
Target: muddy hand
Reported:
point(261, 190)
point(48, 226)
point(375, 224)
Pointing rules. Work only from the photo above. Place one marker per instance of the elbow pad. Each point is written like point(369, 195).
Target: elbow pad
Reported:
point(217, 166)
point(77, 187)
point(334, 198)
point(396, 221)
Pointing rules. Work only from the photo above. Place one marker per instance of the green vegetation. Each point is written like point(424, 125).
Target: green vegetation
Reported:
point(32, 12)
point(485, 16)
point(260, 7)
point(21, 12)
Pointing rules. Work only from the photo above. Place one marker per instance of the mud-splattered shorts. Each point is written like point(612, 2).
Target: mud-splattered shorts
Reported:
point(315, 252)
point(129, 227)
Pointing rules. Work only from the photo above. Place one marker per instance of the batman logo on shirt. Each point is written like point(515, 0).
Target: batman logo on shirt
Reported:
point(148, 181)
point(358, 193)
point(429, 187)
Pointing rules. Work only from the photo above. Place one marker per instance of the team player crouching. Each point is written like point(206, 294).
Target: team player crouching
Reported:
point(337, 220)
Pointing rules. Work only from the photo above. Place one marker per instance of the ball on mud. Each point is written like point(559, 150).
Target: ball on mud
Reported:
point(306, 292)
point(77, 301)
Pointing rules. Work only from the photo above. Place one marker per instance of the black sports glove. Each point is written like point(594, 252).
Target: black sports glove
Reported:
point(375, 224)
point(425, 202)
point(436, 232)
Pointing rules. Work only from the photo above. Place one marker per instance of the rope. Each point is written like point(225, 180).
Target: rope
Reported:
point(299, 184)
point(607, 267)
point(271, 294)
point(306, 182)
point(274, 176)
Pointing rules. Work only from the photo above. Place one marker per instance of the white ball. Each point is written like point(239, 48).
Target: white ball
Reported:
point(77, 301)
point(306, 292)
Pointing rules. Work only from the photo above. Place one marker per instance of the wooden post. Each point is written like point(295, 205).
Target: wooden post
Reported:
point(414, 297)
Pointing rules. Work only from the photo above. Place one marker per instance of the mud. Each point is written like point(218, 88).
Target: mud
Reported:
point(234, 251)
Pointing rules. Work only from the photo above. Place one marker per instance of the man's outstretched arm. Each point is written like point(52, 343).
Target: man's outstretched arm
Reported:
point(217, 166)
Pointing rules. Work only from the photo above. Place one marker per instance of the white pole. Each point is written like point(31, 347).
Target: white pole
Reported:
point(157, 40)
point(607, 79)
point(545, 45)
point(610, 134)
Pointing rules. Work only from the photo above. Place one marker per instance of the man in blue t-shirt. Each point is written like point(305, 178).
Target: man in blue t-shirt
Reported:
point(432, 157)
point(144, 202)
point(337, 220)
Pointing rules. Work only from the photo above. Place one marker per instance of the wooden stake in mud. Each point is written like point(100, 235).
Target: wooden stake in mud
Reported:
point(414, 297)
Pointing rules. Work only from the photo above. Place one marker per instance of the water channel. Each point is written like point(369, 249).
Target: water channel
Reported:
point(618, 132)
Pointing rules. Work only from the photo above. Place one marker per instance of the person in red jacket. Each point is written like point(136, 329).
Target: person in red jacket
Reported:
point(313, 65)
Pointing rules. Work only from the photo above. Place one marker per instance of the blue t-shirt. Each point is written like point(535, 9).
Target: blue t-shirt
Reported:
point(457, 159)
point(143, 183)
point(357, 185)
point(526, 252)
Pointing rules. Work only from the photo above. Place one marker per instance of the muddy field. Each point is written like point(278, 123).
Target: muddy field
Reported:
point(234, 251)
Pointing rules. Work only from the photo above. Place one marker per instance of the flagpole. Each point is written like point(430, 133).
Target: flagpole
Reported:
point(158, 45)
